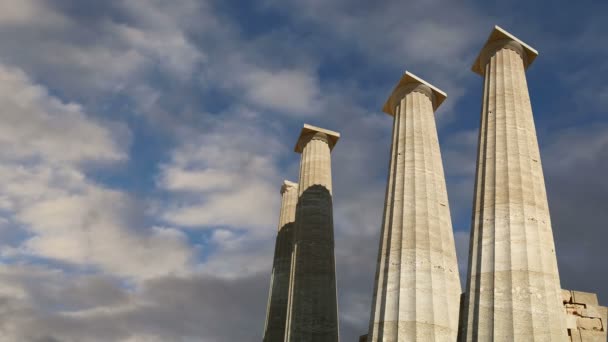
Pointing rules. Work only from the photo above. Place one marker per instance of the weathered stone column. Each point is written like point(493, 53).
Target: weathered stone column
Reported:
point(313, 306)
point(513, 289)
point(417, 288)
point(276, 312)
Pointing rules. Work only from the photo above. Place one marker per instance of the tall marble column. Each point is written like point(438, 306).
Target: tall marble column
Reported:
point(417, 288)
point(513, 289)
point(313, 306)
point(276, 312)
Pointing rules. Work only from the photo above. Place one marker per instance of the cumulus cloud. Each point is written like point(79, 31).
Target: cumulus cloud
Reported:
point(29, 12)
point(293, 91)
point(34, 126)
point(86, 54)
point(37, 304)
point(66, 216)
point(228, 176)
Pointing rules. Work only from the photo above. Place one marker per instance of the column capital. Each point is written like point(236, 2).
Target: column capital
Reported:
point(409, 83)
point(288, 185)
point(498, 39)
point(309, 131)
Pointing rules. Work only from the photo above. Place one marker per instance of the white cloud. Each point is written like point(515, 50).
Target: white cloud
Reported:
point(229, 176)
point(43, 145)
point(43, 304)
point(169, 49)
point(85, 56)
point(29, 12)
point(93, 228)
point(35, 125)
point(289, 91)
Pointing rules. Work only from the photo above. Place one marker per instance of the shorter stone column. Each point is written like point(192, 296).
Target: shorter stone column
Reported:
point(313, 306)
point(276, 313)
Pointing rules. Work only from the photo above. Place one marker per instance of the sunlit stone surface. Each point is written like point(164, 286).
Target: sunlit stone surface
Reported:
point(513, 289)
point(417, 289)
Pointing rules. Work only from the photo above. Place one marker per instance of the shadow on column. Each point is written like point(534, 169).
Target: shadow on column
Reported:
point(277, 310)
point(315, 308)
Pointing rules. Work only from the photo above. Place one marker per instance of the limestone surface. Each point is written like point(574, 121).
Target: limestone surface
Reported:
point(513, 289)
point(276, 312)
point(313, 306)
point(585, 319)
point(417, 288)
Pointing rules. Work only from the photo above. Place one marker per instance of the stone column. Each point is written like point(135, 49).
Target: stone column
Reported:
point(276, 312)
point(417, 288)
point(513, 289)
point(313, 307)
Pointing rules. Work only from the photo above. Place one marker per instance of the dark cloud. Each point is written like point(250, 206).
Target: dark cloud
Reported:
point(163, 309)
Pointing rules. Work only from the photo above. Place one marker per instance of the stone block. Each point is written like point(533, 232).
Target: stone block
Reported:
point(571, 322)
point(584, 298)
point(574, 309)
point(592, 311)
point(592, 336)
point(587, 323)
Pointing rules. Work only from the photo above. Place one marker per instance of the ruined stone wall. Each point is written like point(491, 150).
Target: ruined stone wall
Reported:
point(585, 318)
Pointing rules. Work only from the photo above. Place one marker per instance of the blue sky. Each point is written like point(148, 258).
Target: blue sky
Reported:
point(143, 144)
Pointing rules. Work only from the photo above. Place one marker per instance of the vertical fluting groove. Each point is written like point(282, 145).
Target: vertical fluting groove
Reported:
point(502, 260)
point(508, 179)
point(431, 228)
point(492, 230)
point(390, 210)
point(513, 160)
point(314, 162)
point(304, 172)
point(428, 257)
point(398, 217)
point(268, 304)
point(379, 301)
point(291, 292)
point(498, 179)
point(389, 324)
point(430, 197)
point(535, 222)
point(447, 247)
point(418, 202)
point(404, 208)
point(472, 293)
point(413, 208)
point(278, 298)
point(513, 60)
point(399, 234)
point(493, 197)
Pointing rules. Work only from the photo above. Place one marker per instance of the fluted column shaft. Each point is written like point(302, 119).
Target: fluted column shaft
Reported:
point(276, 313)
point(315, 163)
point(313, 308)
point(513, 288)
point(417, 289)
